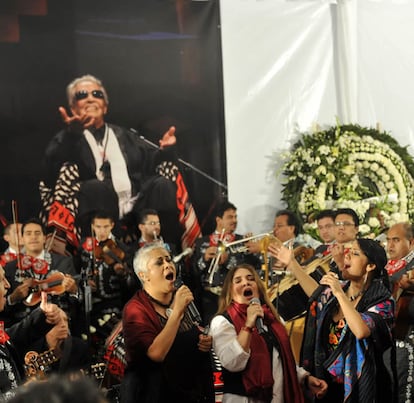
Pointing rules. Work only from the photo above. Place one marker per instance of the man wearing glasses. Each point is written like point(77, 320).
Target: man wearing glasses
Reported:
point(149, 225)
point(112, 163)
point(346, 231)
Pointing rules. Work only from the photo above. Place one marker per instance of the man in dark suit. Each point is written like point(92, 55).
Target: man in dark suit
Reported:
point(115, 168)
point(16, 341)
point(37, 265)
point(59, 352)
point(212, 263)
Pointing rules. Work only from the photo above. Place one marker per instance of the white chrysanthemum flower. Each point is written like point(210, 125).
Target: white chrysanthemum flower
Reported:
point(323, 150)
point(321, 170)
point(346, 165)
point(364, 229)
point(330, 177)
point(373, 222)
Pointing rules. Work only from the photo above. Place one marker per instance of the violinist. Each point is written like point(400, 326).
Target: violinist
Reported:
point(12, 235)
point(105, 261)
point(37, 264)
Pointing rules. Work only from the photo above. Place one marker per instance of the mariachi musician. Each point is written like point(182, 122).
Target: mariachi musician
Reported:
point(39, 269)
point(105, 271)
point(12, 235)
point(288, 230)
point(213, 264)
point(400, 269)
point(288, 298)
point(400, 251)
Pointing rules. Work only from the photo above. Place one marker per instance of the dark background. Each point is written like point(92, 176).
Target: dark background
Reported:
point(160, 61)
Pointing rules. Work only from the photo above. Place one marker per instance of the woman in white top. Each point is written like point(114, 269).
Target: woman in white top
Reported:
point(253, 346)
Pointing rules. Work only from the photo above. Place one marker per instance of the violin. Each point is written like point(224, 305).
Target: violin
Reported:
point(51, 285)
point(109, 252)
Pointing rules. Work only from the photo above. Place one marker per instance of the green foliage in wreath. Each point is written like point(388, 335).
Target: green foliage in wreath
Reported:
point(350, 166)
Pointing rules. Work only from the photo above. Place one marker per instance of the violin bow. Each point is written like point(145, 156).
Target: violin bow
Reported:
point(94, 268)
point(16, 227)
point(51, 240)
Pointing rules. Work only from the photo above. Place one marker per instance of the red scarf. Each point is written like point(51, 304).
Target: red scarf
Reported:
point(257, 376)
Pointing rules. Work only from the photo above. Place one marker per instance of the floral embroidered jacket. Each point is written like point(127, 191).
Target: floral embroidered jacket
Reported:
point(356, 364)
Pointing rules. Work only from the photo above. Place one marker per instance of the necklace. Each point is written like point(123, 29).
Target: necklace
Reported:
point(155, 301)
point(354, 297)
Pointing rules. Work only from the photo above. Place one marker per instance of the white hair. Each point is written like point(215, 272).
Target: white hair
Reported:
point(142, 257)
point(88, 78)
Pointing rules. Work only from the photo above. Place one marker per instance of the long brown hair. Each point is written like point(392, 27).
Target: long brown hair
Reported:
point(226, 296)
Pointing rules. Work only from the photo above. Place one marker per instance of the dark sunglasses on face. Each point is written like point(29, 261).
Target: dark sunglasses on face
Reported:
point(84, 94)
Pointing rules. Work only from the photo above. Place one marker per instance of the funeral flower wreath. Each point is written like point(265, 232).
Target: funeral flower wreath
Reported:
point(350, 166)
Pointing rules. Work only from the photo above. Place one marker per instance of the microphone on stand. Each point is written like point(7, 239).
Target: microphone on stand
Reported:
point(191, 308)
point(259, 320)
point(185, 252)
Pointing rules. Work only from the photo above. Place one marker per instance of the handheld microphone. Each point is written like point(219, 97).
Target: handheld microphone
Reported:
point(191, 308)
point(320, 289)
point(259, 320)
point(185, 252)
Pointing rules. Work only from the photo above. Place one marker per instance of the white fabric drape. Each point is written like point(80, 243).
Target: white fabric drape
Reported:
point(347, 60)
point(291, 65)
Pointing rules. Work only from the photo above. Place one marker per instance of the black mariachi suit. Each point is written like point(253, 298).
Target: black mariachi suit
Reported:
point(141, 160)
point(206, 293)
point(22, 335)
point(58, 263)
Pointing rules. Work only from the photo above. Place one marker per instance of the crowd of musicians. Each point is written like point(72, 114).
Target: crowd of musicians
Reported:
point(288, 318)
point(276, 317)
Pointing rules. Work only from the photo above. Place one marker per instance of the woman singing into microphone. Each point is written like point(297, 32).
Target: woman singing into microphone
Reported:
point(348, 326)
point(167, 354)
point(256, 367)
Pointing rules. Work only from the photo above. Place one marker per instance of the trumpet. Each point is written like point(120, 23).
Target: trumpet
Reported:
point(240, 246)
point(215, 262)
point(237, 246)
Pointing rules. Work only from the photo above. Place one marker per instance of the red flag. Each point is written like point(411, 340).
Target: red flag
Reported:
point(186, 215)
